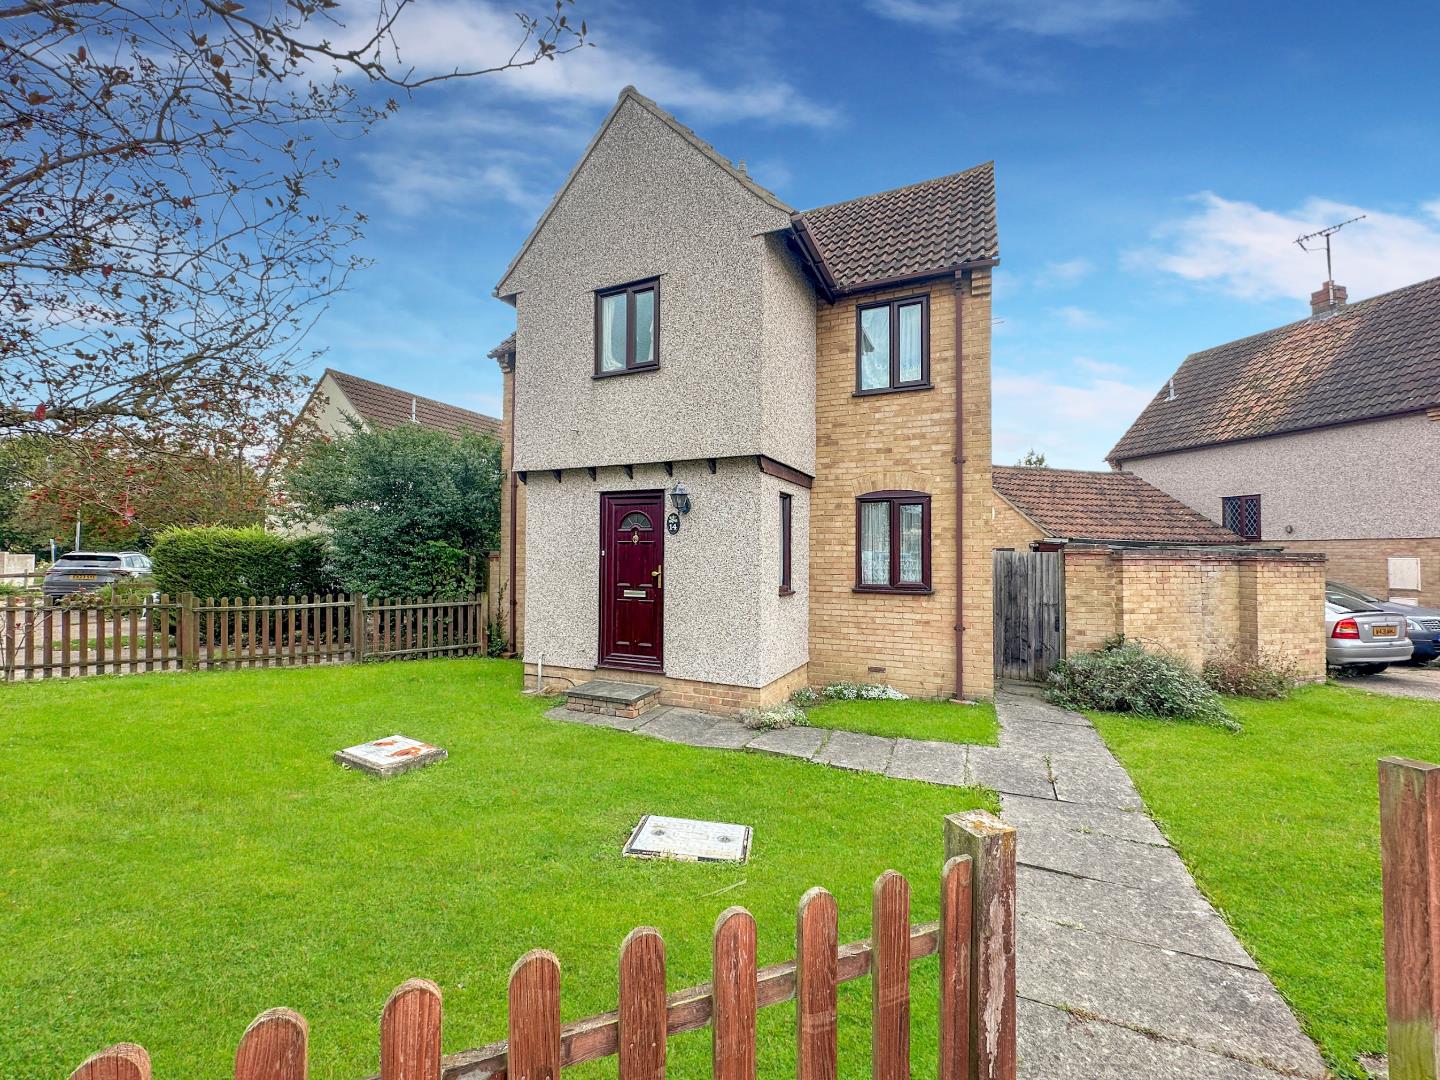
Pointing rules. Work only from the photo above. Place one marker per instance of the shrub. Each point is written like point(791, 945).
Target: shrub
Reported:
point(774, 717)
point(212, 560)
point(806, 697)
point(1245, 673)
point(1123, 677)
point(844, 691)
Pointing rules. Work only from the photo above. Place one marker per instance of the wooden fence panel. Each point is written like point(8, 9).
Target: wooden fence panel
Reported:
point(123, 1061)
point(955, 931)
point(535, 1017)
point(890, 978)
point(732, 1025)
point(410, 1032)
point(274, 1047)
point(642, 1013)
point(816, 943)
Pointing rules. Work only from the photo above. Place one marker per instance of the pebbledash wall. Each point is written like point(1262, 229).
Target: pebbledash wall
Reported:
point(724, 620)
point(903, 441)
point(1198, 602)
point(736, 331)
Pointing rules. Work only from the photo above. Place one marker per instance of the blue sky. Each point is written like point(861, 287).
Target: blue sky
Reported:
point(1155, 160)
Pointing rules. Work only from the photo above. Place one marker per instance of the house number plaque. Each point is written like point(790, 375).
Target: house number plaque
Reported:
point(672, 524)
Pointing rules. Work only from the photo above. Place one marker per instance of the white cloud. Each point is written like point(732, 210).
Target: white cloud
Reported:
point(1250, 252)
point(1098, 367)
point(1073, 421)
point(412, 182)
point(1064, 271)
point(1078, 318)
point(445, 35)
point(1082, 19)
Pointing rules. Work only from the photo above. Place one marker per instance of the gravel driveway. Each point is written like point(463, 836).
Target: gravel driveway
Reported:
point(1402, 681)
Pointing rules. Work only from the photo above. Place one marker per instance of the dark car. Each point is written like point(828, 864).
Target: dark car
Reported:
point(83, 571)
point(1423, 623)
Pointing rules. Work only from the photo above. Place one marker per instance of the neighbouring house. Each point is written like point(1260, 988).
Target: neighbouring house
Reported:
point(1082, 557)
point(749, 447)
point(1316, 436)
point(338, 398)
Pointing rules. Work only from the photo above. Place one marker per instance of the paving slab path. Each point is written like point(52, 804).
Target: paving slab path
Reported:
point(1125, 971)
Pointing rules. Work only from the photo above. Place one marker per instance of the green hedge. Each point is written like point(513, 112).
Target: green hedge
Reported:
point(213, 560)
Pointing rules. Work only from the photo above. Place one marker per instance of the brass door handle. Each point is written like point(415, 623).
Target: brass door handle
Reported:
point(659, 575)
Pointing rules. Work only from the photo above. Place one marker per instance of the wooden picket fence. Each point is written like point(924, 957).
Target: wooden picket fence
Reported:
point(125, 635)
point(974, 938)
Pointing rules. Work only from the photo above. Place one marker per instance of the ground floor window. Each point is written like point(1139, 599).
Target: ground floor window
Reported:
point(892, 540)
point(786, 503)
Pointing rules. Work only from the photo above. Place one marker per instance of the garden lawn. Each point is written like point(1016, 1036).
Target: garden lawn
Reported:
point(912, 719)
point(181, 853)
point(1280, 826)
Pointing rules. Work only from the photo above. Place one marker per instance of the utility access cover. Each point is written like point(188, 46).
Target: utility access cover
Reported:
point(658, 837)
point(387, 757)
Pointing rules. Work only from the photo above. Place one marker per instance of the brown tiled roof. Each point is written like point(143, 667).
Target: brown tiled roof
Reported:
point(1376, 357)
point(928, 227)
point(1074, 505)
point(385, 406)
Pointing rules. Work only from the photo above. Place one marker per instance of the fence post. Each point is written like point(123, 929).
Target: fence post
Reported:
point(357, 627)
point(1410, 880)
point(990, 843)
point(189, 639)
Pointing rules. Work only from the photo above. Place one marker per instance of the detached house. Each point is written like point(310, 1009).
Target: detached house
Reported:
point(749, 447)
point(339, 398)
point(1319, 436)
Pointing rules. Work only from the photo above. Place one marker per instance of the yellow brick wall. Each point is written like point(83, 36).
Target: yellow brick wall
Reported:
point(903, 440)
point(1195, 604)
point(1091, 600)
point(1362, 564)
point(1011, 528)
point(721, 698)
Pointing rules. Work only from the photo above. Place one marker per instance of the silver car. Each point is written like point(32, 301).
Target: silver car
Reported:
point(85, 571)
point(1360, 640)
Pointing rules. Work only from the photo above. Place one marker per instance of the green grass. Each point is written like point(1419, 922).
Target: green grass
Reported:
point(181, 853)
point(913, 719)
point(1280, 826)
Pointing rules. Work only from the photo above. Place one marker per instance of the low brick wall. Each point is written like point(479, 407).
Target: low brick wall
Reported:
point(1196, 602)
point(720, 698)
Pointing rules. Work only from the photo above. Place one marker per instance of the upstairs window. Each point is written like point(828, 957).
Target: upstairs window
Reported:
point(627, 328)
point(892, 345)
point(892, 542)
point(1241, 514)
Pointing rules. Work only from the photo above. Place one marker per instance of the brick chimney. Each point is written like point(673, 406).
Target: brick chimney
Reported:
point(1327, 300)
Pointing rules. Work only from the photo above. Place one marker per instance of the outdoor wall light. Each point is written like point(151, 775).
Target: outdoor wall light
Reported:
point(680, 498)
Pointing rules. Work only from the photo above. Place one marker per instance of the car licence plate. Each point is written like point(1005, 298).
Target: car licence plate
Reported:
point(82, 577)
point(1382, 631)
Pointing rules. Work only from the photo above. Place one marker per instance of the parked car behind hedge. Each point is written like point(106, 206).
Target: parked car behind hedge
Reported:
point(86, 571)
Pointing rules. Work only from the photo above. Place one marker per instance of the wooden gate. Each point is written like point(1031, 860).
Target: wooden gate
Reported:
point(1029, 613)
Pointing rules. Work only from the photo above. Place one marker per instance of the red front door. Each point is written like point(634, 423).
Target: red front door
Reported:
point(632, 579)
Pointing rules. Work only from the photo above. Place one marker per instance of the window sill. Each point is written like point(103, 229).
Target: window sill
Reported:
point(891, 590)
point(893, 389)
point(787, 592)
point(626, 371)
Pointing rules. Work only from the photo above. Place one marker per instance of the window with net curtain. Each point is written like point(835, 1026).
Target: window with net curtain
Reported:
point(627, 328)
point(892, 345)
point(893, 542)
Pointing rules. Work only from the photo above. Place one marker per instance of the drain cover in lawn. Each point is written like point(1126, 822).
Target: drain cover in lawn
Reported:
point(387, 757)
point(659, 837)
